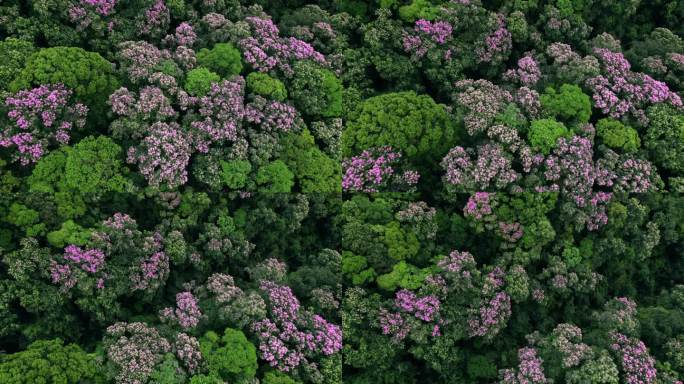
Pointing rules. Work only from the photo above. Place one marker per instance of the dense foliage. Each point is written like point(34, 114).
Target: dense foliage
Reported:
point(380, 191)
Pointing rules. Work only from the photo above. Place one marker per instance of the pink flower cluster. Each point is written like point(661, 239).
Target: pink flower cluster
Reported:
point(511, 232)
point(291, 335)
point(490, 318)
point(369, 170)
point(527, 73)
point(103, 7)
point(265, 50)
point(135, 349)
point(622, 91)
point(497, 45)
point(273, 116)
point(634, 175)
point(163, 155)
point(90, 261)
point(567, 340)
point(421, 217)
point(478, 206)
point(150, 104)
point(185, 35)
point(40, 114)
point(156, 20)
point(530, 370)
point(458, 263)
point(139, 59)
point(439, 31)
point(481, 101)
point(187, 313)
point(399, 324)
point(393, 323)
point(153, 272)
point(424, 308)
point(493, 167)
point(221, 111)
point(571, 169)
point(637, 365)
point(188, 351)
point(428, 34)
point(223, 287)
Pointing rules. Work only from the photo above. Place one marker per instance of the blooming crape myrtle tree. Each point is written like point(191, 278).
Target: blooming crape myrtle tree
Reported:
point(38, 117)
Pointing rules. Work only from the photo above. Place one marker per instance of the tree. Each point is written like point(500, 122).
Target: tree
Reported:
point(264, 85)
point(618, 136)
point(568, 104)
point(418, 9)
point(403, 275)
point(83, 173)
point(222, 58)
point(15, 53)
point(231, 356)
point(316, 91)
point(90, 76)
point(198, 81)
point(50, 362)
point(544, 134)
point(664, 137)
point(94, 167)
point(314, 170)
point(275, 377)
point(69, 233)
point(411, 123)
point(235, 173)
point(275, 177)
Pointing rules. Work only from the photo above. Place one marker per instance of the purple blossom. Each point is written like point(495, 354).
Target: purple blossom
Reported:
point(572, 170)
point(567, 340)
point(103, 7)
point(153, 272)
point(163, 155)
point(489, 319)
point(493, 167)
point(185, 35)
point(369, 170)
point(139, 59)
point(458, 263)
point(392, 323)
point(496, 45)
point(221, 112)
point(223, 287)
point(156, 20)
point(637, 365)
point(530, 370)
point(292, 335)
point(40, 115)
point(409, 309)
point(622, 91)
point(527, 73)
point(285, 305)
point(481, 101)
point(187, 313)
point(188, 351)
point(439, 31)
point(478, 206)
point(264, 50)
point(134, 349)
point(511, 232)
point(90, 260)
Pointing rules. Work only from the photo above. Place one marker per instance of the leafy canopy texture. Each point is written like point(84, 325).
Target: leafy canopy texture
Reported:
point(341, 191)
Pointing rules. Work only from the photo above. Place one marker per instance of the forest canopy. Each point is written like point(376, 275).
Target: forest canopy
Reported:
point(341, 191)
